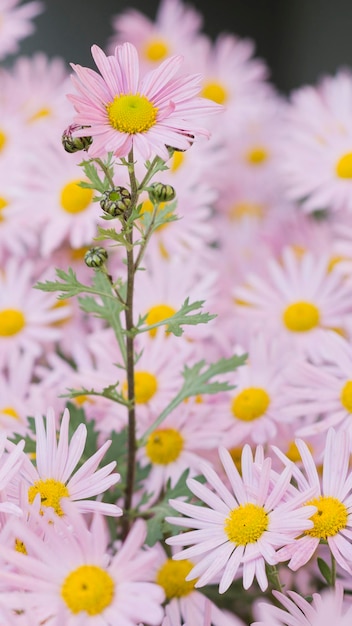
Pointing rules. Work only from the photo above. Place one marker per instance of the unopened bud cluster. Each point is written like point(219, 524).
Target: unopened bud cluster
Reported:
point(95, 257)
point(75, 144)
point(116, 201)
point(158, 192)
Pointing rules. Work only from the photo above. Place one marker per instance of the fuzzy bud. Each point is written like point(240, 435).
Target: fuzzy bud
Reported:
point(95, 257)
point(116, 201)
point(158, 192)
point(75, 144)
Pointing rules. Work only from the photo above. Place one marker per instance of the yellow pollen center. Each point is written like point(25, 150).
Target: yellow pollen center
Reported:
point(148, 207)
point(20, 547)
point(236, 456)
point(145, 386)
point(215, 91)
point(344, 166)
point(78, 254)
point(131, 114)
point(246, 524)
point(330, 518)
point(3, 203)
point(250, 404)
point(158, 313)
point(346, 396)
point(164, 446)
point(3, 140)
point(51, 491)
point(171, 577)
point(11, 322)
point(74, 198)
point(88, 588)
point(242, 209)
point(10, 411)
point(177, 160)
point(300, 317)
point(44, 112)
point(257, 155)
point(293, 453)
point(156, 50)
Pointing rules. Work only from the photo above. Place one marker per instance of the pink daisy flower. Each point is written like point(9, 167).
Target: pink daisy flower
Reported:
point(325, 609)
point(72, 579)
point(148, 114)
point(176, 27)
point(242, 528)
point(16, 23)
point(52, 477)
point(300, 299)
point(332, 497)
point(321, 392)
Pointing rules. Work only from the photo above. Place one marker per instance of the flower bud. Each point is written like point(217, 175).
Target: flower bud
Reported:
point(74, 144)
point(172, 149)
point(158, 192)
point(96, 257)
point(116, 201)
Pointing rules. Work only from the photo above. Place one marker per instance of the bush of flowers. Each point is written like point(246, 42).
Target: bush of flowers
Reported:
point(175, 333)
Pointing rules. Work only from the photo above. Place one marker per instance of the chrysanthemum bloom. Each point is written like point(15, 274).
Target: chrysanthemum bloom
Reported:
point(183, 599)
point(176, 27)
point(56, 459)
point(71, 579)
point(299, 299)
point(332, 496)
point(326, 608)
point(240, 528)
point(16, 23)
point(316, 151)
point(148, 114)
point(321, 392)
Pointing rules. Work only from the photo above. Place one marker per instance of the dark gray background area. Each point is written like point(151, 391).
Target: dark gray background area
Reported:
point(300, 40)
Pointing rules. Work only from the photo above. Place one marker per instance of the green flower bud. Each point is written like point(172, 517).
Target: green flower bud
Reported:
point(96, 257)
point(158, 192)
point(74, 144)
point(116, 201)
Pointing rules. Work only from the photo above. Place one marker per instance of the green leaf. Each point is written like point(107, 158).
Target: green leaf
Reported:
point(325, 571)
point(182, 317)
point(197, 381)
point(156, 524)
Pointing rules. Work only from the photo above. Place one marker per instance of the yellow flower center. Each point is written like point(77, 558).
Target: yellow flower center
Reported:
point(3, 205)
point(10, 411)
point(74, 198)
point(177, 160)
point(171, 577)
point(131, 114)
point(78, 254)
point(250, 404)
point(344, 166)
point(3, 140)
point(156, 50)
point(236, 456)
point(20, 547)
point(51, 491)
point(145, 386)
point(330, 518)
point(300, 317)
point(346, 396)
point(164, 446)
point(158, 313)
point(293, 453)
point(257, 155)
point(215, 91)
point(11, 322)
point(88, 588)
point(44, 112)
point(246, 524)
point(241, 209)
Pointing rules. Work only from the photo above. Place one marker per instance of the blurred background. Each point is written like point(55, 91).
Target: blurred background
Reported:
point(300, 40)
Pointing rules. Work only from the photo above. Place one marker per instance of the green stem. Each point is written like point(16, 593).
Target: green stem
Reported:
point(106, 171)
point(131, 439)
point(273, 577)
point(333, 570)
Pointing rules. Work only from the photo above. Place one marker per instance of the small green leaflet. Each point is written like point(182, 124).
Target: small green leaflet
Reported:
point(174, 323)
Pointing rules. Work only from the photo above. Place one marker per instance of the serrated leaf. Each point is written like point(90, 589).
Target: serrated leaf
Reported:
point(181, 318)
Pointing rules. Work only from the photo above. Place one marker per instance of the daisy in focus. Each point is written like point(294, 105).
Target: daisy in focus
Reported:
point(332, 497)
point(125, 111)
point(56, 460)
point(72, 579)
point(243, 528)
point(326, 608)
